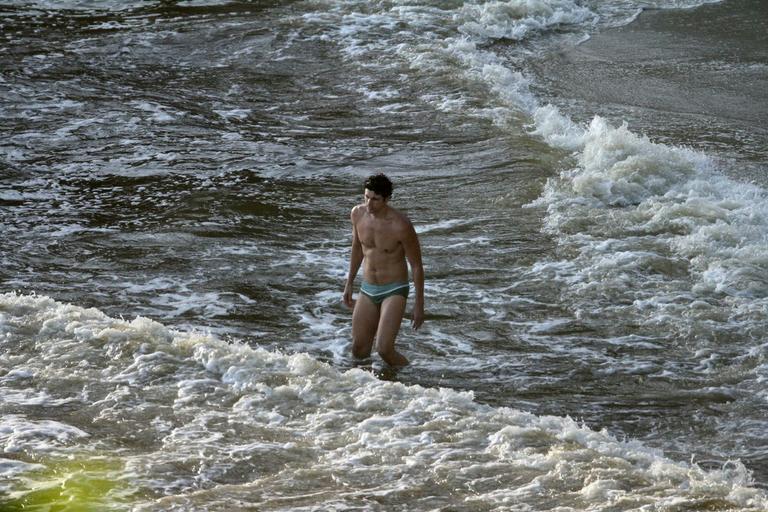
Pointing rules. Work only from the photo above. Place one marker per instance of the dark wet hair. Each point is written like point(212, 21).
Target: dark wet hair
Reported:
point(379, 184)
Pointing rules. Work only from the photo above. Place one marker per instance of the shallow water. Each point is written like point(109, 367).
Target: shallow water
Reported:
point(193, 164)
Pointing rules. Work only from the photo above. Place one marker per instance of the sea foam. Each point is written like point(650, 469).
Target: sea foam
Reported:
point(212, 423)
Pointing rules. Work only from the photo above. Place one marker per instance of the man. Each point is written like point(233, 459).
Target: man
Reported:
point(383, 240)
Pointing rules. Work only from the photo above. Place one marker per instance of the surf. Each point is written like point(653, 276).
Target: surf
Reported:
point(187, 421)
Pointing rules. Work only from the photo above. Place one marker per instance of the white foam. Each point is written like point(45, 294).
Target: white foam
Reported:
point(86, 5)
point(236, 408)
point(19, 374)
point(356, 33)
point(623, 12)
point(29, 397)
point(460, 242)
point(19, 434)
point(693, 218)
point(11, 470)
point(159, 113)
point(443, 225)
point(234, 113)
point(517, 19)
point(10, 195)
point(378, 95)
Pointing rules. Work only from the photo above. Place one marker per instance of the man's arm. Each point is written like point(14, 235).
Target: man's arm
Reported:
point(413, 255)
point(355, 260)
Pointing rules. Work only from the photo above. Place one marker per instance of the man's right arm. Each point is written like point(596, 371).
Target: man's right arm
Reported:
point(355, 260)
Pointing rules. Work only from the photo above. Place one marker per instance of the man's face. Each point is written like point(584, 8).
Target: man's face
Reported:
point(373, 201)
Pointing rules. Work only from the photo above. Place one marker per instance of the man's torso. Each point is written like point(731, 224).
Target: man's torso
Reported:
point(381, 238)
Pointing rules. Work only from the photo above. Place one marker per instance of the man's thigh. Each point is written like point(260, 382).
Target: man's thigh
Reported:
point(365, 320)
point(392, 311)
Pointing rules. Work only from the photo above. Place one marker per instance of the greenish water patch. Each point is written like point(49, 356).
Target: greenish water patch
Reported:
point(71, 485)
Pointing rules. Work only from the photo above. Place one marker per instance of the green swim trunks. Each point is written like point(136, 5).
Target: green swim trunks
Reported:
point(379, 292)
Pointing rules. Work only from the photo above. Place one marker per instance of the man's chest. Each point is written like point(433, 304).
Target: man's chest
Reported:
point(382, 236)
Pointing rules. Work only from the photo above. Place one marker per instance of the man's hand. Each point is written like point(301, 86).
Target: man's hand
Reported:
point(347, 298)
point(418, 316)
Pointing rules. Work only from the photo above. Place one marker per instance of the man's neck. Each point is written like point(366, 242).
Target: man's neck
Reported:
point(381, 214)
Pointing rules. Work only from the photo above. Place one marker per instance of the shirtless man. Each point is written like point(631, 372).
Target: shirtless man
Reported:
point(383, 239)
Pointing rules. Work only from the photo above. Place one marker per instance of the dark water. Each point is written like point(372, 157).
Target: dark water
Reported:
point(194, 163)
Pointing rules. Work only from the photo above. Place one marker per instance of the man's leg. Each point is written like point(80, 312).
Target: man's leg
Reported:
point(365, 319)
point(392, 310)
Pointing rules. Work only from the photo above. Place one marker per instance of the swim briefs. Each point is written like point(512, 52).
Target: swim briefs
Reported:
point(379, 292)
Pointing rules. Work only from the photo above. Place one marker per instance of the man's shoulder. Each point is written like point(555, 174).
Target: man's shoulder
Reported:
point(402, 219)
point(357, 211)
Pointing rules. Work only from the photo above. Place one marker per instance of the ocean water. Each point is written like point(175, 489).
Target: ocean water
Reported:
point(588, 181)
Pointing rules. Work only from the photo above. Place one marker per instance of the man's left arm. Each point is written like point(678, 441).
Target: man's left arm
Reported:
point(413, 255)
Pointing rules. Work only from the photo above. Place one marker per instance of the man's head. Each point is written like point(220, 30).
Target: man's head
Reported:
point(379, 184)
